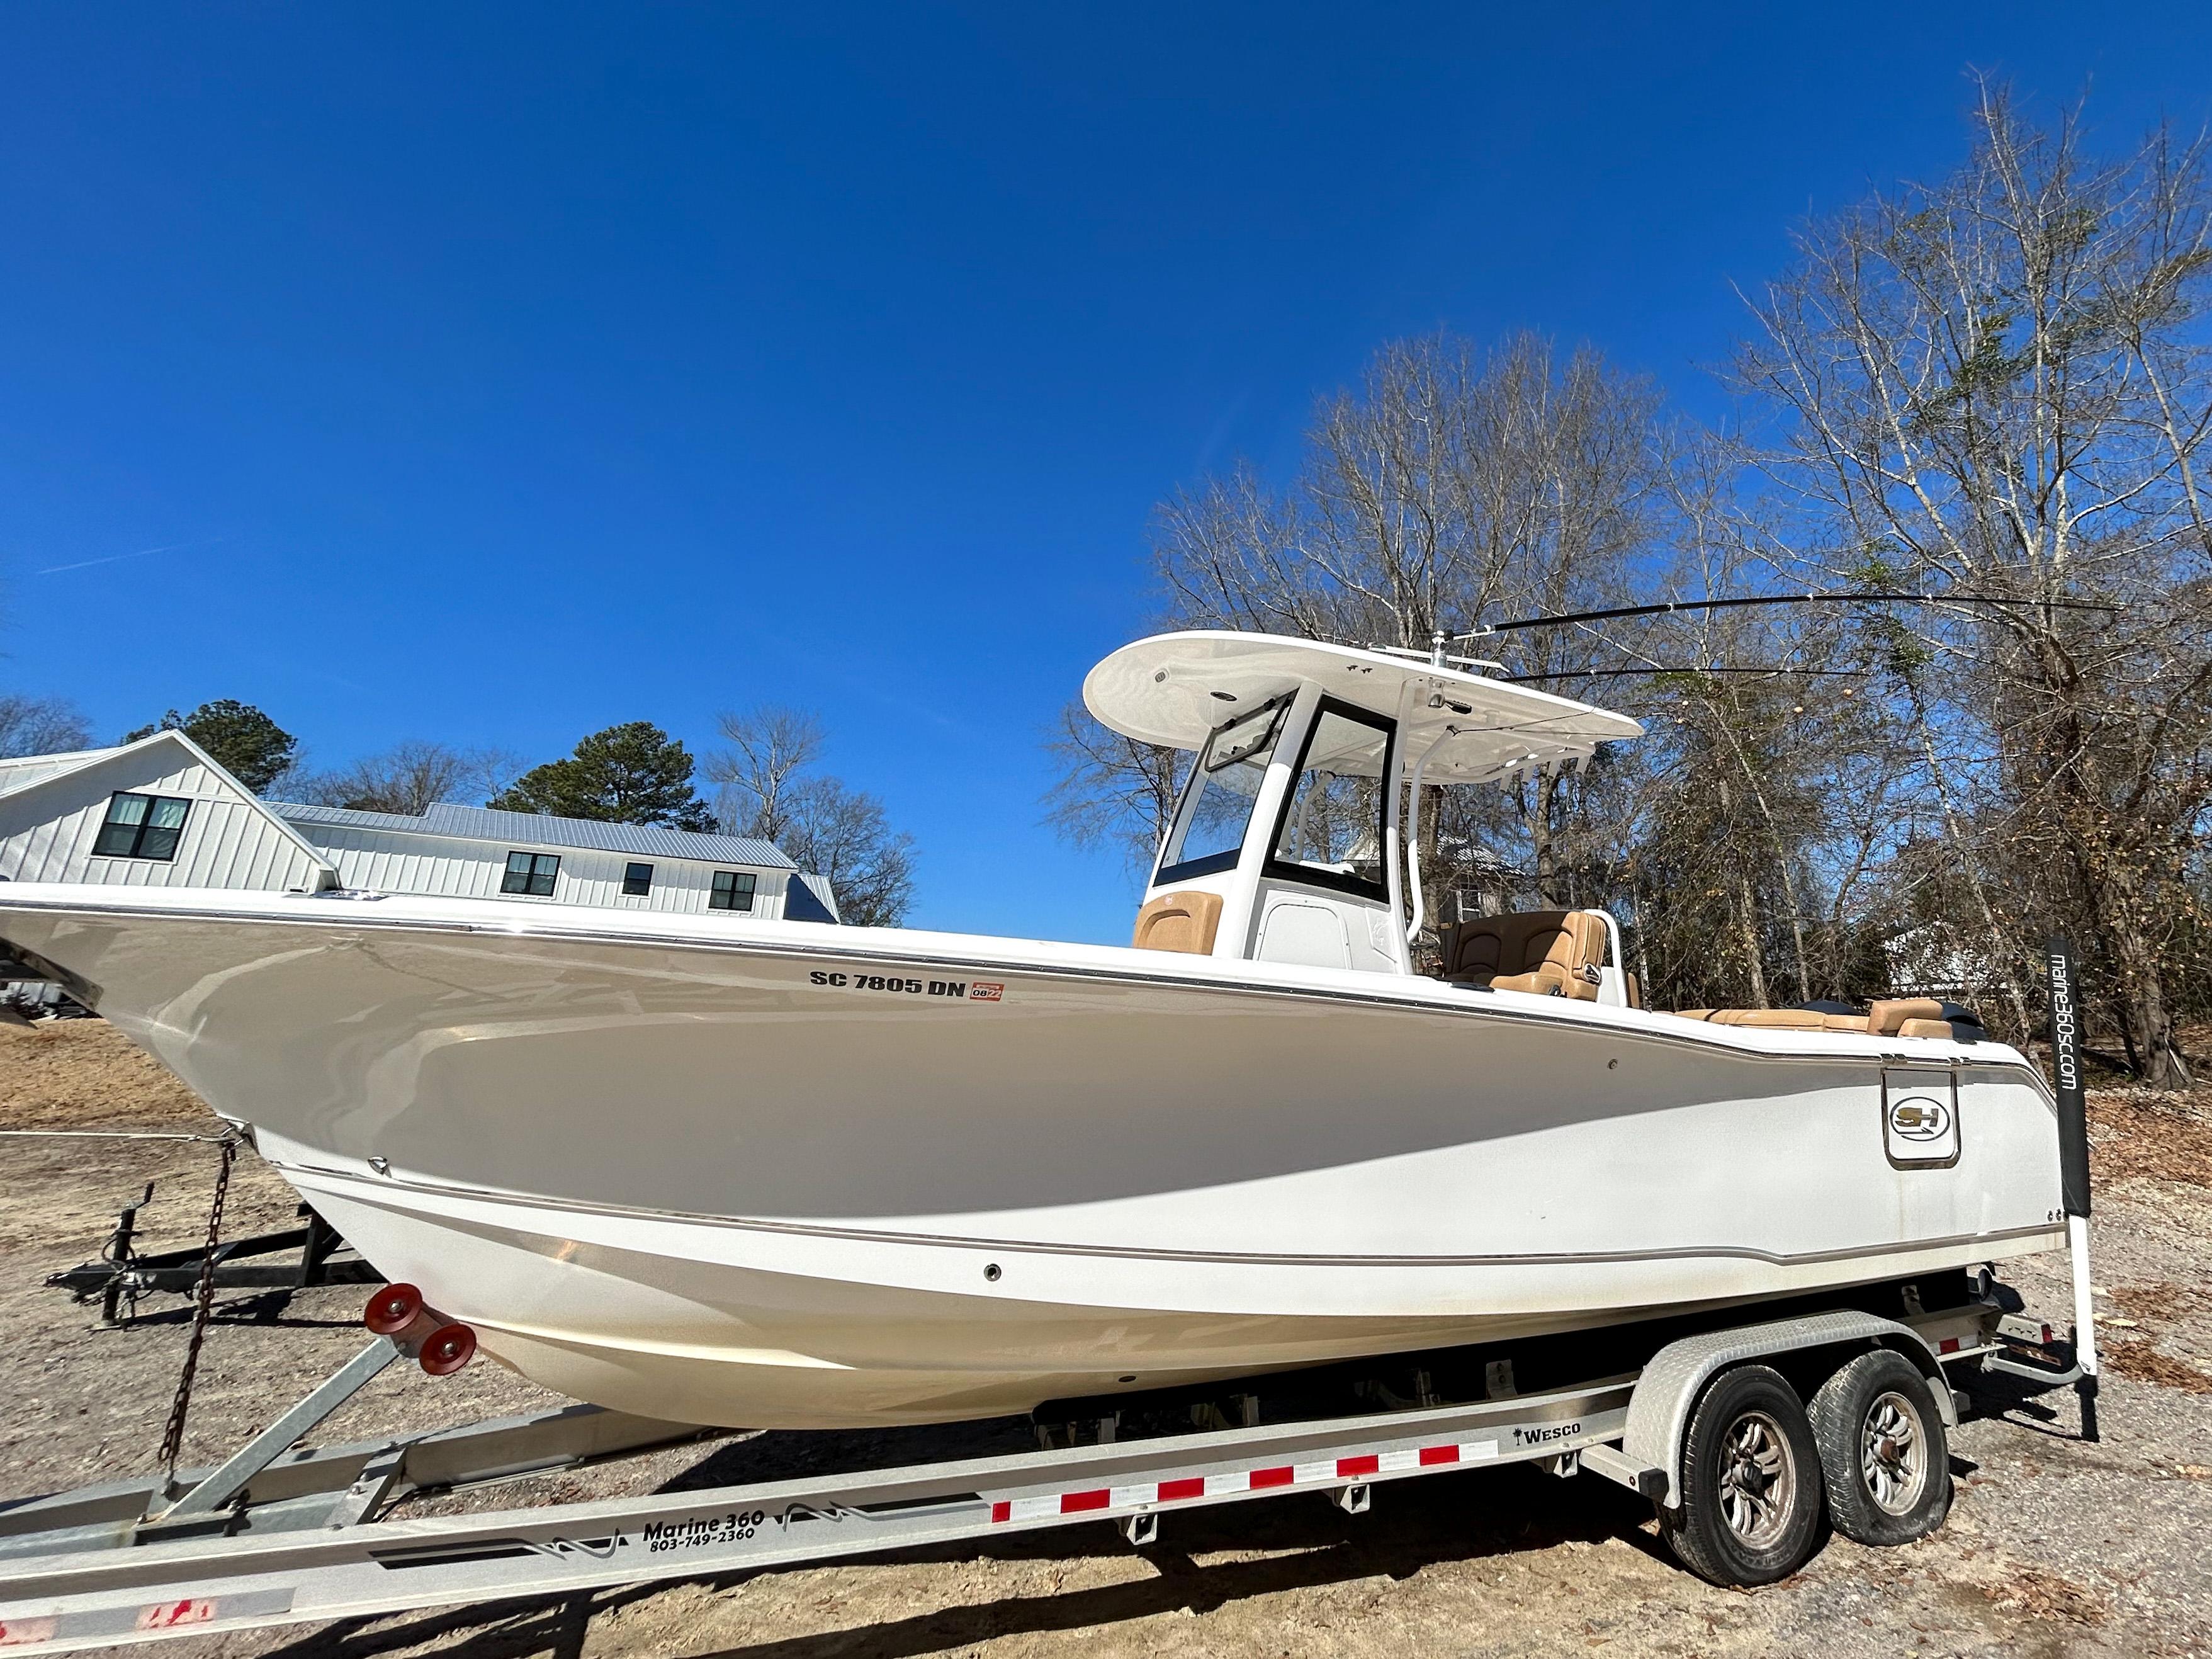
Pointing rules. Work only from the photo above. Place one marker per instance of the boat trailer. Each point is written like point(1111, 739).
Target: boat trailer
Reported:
point(281, 1533)
point(121, 1273)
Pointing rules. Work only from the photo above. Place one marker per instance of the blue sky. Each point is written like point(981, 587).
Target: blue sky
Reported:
point(495, 375)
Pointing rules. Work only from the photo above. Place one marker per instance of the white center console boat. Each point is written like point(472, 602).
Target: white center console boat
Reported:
point(778, 1174)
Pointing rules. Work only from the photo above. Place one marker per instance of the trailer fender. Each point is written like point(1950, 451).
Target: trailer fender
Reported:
point(1659, 1409)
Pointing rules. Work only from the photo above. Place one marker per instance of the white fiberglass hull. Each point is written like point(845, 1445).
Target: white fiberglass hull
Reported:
point(777, 1174)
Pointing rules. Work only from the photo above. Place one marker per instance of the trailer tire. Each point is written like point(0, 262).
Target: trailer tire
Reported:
point(1883, 1451)
point(1752, 1507)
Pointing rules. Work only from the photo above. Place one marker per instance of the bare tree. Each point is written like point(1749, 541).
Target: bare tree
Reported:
point(843, 834)
point(771, 747)
point(769, 790)
point(1454, 482)
point(492, 771)
point(40, 726)
point(2001, 382)
point(411, 777)
point(1112, 791)
point(408, 778)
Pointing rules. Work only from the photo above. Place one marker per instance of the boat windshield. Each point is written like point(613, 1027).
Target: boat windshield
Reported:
point(1211, 832)
point(1332, 828)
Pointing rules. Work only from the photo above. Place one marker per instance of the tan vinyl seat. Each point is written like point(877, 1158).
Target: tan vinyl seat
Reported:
point(1777, 1019)
point(1926, 1028)
point(1771, 1019)
point(1551, 952)
point(1890, 1018)
point(1185, 921)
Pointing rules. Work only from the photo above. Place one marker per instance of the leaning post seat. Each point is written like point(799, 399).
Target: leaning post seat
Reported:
point(1549, 952)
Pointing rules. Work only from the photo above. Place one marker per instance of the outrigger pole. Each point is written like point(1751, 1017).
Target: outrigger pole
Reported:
point(1772, 670)
point(1440, 639)
point(2073, 1161)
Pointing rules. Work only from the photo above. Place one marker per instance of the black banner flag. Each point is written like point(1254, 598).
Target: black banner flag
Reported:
point(2066, 1067)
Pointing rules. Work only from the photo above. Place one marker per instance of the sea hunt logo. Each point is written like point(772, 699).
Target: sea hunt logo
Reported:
point(1919, 1117)
point(986, 990)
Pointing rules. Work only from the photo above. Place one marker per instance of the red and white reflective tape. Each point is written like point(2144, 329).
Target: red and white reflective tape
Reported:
point(1331, 1472)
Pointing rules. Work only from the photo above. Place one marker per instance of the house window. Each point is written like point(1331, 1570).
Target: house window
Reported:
point(637, 880)
point(141, 827)
point(733, 891)
point(532, 873)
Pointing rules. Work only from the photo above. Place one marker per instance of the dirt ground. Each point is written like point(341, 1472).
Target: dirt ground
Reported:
point(2054, 1546)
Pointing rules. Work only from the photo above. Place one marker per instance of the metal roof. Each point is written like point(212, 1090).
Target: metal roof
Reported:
point(537, 829)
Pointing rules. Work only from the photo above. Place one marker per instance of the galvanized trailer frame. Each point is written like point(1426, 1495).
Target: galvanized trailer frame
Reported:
point(279, 1536)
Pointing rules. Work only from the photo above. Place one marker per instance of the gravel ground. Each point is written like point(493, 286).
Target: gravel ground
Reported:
point(2054, 1546)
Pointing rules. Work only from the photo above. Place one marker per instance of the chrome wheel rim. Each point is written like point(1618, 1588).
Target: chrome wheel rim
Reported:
point(1893, 1454)
point(1759, 1480)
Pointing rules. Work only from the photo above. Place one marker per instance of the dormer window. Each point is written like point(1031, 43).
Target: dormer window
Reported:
point(142, 827)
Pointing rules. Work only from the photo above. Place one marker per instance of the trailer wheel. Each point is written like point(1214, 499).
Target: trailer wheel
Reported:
point(1751, 1489)
point(1883, 1451)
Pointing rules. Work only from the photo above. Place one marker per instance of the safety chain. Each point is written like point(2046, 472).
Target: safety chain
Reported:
point(172, 1436)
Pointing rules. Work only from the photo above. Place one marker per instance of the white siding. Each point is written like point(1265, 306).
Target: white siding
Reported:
point(23, 773)
point(229, 841)
point(392, 861)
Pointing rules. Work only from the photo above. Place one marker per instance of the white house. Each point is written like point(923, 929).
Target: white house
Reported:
point(160, 812)
point(472, 852)
point(1935, 959)
point(155, 813)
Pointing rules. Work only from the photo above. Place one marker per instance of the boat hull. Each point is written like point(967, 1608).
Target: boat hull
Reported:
point(782, 1176)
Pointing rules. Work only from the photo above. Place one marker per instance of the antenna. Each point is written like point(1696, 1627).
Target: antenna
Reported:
point(1664, 607)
